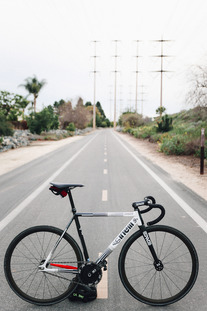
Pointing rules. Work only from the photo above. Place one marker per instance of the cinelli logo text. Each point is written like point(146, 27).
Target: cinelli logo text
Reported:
point(147, 238)
point(123, 233)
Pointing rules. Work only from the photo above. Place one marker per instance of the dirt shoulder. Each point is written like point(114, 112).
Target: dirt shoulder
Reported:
point(184, 169)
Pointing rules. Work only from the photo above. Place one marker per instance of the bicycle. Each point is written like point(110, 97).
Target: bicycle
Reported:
point(158, 265)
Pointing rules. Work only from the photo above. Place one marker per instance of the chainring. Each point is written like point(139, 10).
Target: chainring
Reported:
point(90, 273)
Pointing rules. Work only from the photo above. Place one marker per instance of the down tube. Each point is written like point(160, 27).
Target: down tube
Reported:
point(120, 237)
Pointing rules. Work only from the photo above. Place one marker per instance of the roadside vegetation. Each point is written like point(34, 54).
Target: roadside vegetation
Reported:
point(177, 134)
point(59, 115)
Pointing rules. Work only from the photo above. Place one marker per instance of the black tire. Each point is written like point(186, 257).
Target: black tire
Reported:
point(27, 251)
point(143, 281)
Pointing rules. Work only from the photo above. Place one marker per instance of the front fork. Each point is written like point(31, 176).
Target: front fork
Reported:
point(157, 262)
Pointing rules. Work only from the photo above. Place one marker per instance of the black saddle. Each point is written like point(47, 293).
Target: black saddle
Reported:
point(62, 189)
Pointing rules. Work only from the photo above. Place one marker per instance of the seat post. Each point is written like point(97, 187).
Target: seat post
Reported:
point(71, 201)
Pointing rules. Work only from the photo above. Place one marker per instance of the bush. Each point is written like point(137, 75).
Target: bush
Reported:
point(165, 125)
point(173, 145)
point(5, 126)
point(130, 119)
point(44, 120)
point(71, 127)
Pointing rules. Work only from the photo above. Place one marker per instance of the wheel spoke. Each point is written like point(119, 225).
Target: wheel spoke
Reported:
point(141, 276)
point(28, 251)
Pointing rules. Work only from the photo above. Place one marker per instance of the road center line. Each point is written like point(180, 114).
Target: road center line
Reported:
point(11, 216)
point(189, 210)
point(104, 195)
point(102, 287)
point(105, 171)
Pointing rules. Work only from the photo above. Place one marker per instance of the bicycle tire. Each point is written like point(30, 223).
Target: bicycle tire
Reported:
point(141, 279)
point(27, 251)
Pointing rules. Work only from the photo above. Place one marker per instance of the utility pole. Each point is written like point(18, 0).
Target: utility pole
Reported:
point(142, 99)
point(136, 72)
point(161, 71)
point(130, 98)
point(94, 90)
point(110, 100)
point(115, 80)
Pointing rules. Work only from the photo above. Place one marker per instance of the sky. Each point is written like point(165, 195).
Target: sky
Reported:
point(54, 40)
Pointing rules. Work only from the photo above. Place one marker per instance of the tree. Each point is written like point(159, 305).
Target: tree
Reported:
point(160, 110)
point(33, 86)
point(197, 96)
point(87, 104)
point(44, 120)
point(98, 105)
point(12, 105)
point(65, 112)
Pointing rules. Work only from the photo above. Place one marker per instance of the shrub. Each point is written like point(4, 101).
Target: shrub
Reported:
point(43, 121)
point(173, 145)
point(165, 125)
point(5, 126)
point(71, 127)
point(130, 119)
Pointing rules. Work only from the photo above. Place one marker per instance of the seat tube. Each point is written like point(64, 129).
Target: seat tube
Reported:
point(85, 251)
point(71, 202)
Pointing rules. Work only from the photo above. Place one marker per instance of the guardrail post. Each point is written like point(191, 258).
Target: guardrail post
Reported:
point(202, 151)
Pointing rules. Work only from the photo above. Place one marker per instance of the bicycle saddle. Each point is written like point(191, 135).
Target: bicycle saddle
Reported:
point(66, 187)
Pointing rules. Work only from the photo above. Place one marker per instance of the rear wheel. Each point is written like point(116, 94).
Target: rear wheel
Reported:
point(28, 251)
point(179, 266)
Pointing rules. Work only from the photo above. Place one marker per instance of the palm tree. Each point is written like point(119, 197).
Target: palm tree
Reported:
point(33, 86)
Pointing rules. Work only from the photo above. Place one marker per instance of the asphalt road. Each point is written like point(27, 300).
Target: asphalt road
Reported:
point(114, 175)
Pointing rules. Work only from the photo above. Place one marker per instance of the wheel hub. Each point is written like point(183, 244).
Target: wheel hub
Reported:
point(159, 265)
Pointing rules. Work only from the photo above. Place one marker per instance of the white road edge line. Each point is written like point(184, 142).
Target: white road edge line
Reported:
point(11, 216)
point(189, 210)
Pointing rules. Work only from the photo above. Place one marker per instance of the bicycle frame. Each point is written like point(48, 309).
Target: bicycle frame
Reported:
point(136, 220)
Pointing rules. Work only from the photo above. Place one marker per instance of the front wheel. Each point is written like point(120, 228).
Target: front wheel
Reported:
point(28, 251)
point(140, 276)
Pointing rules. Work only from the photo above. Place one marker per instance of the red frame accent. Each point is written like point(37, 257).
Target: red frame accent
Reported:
point(64, 266)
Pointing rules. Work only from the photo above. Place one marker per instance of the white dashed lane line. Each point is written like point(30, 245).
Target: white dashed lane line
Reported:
point(104, 195)
point(102, 287)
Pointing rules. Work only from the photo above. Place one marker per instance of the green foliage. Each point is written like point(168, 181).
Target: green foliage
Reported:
point(101, 120)
point(87, 104)
point(165, 125)
point(5, 126)
point(173, 145)
point(57, 104)
point(98, 105)
point(160, 110)
point(12, 105)
point(43, 121)
point(33, 86)
point(131, 120)
point(182, 139)
point(71, 127)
